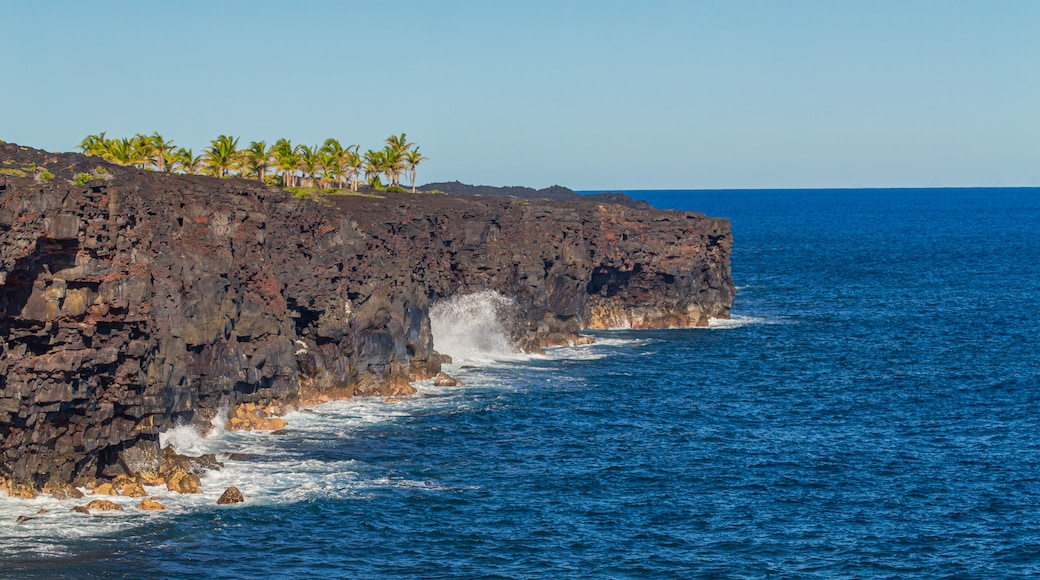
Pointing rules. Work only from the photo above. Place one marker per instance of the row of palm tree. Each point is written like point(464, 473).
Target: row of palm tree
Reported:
point(328, 166)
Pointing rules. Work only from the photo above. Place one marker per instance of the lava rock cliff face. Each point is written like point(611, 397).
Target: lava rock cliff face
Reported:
point(138, 301)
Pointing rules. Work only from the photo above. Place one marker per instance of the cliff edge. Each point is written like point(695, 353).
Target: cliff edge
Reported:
point(133, 301)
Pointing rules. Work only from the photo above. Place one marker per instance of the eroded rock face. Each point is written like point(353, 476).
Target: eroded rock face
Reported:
point(140, 301)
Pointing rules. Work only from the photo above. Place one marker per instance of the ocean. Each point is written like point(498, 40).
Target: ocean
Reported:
point(871, 410)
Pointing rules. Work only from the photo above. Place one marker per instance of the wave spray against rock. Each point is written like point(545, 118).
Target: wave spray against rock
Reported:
point(472, 328)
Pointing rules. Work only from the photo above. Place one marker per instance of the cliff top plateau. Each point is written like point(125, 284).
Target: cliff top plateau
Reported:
point(554, 193)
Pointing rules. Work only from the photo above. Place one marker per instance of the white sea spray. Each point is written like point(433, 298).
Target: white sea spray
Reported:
point(471, 328)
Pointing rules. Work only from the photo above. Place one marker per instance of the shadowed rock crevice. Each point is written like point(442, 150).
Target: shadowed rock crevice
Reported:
point(143, 300)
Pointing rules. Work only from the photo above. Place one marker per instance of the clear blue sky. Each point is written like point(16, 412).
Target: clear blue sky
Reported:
point(591, 94)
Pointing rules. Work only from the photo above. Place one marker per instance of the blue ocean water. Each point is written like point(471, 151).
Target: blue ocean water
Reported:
point(872, 411)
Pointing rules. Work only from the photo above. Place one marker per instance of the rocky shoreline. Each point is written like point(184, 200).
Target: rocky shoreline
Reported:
point(136, 301)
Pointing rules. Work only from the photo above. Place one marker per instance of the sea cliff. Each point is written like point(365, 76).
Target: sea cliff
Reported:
point(133, 301)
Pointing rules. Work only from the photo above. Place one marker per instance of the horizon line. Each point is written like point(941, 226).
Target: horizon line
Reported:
point(842, 188)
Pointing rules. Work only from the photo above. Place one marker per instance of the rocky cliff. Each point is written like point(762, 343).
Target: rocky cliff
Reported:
point(133, 301)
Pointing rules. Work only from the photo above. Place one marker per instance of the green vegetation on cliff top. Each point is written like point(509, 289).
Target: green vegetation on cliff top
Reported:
point(330, 166)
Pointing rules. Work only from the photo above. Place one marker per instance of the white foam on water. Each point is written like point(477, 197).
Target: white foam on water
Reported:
point(275, 471)
point(471, 328)
point(735, 322)
point(187, 441)
point(601, 348)
point(271, 473)
point(614, 341)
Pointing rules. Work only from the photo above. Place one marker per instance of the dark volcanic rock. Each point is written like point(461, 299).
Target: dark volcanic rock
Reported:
point(140, 301)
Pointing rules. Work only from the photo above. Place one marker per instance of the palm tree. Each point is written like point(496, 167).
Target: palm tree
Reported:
point(396, 148)
point(159, 150)
point(354, 163)
point(332, 160)
point(220, 156)
point(374, 163)
point(94, 145)
point(124, 152)
point(256, 160)
point(342, 158)
point(310, 163)
point(329, 165)
point(412, 159)
point(399, 143)
point(184, 160)
point(393, 160)
point(286, 159)
point(144, 157)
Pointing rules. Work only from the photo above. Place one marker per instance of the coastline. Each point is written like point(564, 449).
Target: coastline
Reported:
point(146, 301)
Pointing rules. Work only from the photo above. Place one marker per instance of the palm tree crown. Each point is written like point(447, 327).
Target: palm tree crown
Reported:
point(219, 158)
point(412, 160)
point(330, 166)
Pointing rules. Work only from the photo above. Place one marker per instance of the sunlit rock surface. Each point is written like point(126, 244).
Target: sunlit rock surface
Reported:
point(138, 301)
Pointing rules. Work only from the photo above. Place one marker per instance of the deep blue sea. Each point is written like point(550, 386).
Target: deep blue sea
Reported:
point(871, 411)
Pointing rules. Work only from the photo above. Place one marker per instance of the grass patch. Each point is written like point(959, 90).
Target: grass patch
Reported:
point(14, 172)
point(315, 194)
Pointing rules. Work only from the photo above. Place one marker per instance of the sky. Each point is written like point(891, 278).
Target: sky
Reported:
point(588, 94)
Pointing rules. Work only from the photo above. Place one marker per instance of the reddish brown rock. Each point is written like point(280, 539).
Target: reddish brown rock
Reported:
point(131, 489)
point(151, 478)
point(61, 490)
point(150, 505)
point(250, 417)
point(103, 505)
point(231, 495)
point(445, 380)
point(106, 489)
point(183, 482)
point(18, 490)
